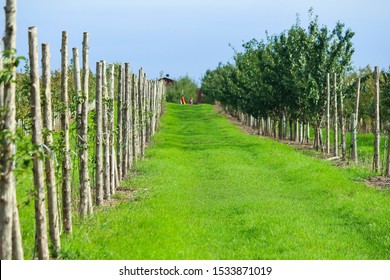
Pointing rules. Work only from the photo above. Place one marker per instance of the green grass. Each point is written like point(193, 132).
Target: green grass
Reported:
point(365, 147)
point(208, 191)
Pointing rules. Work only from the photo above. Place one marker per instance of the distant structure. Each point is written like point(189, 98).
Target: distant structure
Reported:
point(167, 81)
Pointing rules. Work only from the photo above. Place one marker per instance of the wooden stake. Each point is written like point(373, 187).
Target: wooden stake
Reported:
point(120, 121)
point(1, 84)
point(37, 141)
point(10, 245)
point(85, 186)
point(327, 114)
point(141, 102)
point(355, 119)
point(77, 89)
point(376, 165)
point(66, 167)
point(335, 121)
point(135, 118)
point(129, 125)
point(125, 122)
point(106, 136)
point(54, 224)
point(112, 128)
point(342, 124)
point(388, 154)
point(99, 136)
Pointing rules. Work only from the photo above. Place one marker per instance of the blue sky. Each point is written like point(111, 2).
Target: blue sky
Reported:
point(191, 36)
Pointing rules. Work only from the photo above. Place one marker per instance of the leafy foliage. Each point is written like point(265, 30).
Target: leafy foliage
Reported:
point(284, 74)
point(10, 61)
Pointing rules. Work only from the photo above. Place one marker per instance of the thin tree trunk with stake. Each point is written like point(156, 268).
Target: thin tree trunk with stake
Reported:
point(77, 89)
point(120, 121)
point(328, 113)
point(336, 133)
point(1, 84)
point(37, 141)
point(99, 136)
point(112, 128)
point(17, 249)
point(106, 136)
point(342, 126)
point(354, 155)
point(135, 116)
point(125, 129)
point(129, 124)
point(388, 154)
point(7, 148)
point(153, 116)
point(66, 167)
point(147, 111)
point(11, 243)
point(54, 225)
point(141, 91)
point(376, 163)
point(85, 185)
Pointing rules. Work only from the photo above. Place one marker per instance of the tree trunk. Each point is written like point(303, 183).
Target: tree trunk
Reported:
point(85, 186)
point(99, 136)
point(355, 124)
point(296, 130)
point(327, 113)
point(280, 127)
point(316, 138)
point(269, 126)
point(37, 141)
point(320, 138)
point(66, 167)
point(301, 129)
point(336, 133)
point(54, 225)
point(120, 122)
point(308, 132)
point(377, 123)
point(9, 227)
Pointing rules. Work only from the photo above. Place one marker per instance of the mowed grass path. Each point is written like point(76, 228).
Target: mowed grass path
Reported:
point(209, 191)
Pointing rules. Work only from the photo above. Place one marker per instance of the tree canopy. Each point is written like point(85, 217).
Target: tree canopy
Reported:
point(284, 74)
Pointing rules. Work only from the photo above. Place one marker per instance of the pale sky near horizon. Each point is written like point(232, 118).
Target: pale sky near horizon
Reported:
point(191, 36)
